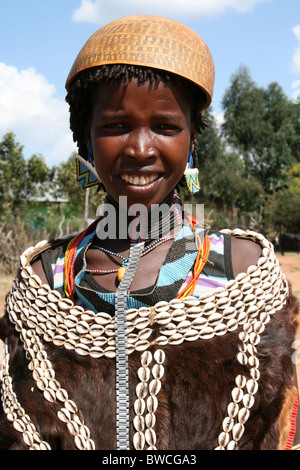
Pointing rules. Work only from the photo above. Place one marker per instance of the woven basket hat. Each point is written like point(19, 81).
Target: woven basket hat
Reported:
point(150, 41)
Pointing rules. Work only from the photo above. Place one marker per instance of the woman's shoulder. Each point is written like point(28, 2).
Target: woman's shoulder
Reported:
point(244, 253)
point(44, 255)
point(234, 249)
point(245, 248)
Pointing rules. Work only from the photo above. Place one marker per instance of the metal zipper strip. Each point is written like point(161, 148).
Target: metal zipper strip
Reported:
point(122, 375)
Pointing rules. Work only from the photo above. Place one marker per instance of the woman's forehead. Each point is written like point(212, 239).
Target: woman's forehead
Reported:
point(168, 96)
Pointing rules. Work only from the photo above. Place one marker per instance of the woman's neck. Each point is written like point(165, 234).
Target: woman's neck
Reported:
point(136, 224)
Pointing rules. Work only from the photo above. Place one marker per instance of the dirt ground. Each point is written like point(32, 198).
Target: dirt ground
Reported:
point(290, 265)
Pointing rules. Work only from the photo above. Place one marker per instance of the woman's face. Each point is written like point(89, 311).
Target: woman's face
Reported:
point(141, 137)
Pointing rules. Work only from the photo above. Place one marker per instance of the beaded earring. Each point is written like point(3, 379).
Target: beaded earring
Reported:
point(86, 174)
point(192, 176)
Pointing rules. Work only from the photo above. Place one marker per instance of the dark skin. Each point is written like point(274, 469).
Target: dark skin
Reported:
point(140, 132)
point(244, 254)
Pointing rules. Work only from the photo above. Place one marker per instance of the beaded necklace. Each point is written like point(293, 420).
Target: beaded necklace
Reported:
point(121, 270)
point(82, 239)
point(70, 258)
point(201, 259)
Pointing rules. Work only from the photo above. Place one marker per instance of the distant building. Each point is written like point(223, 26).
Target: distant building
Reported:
point(41, 207)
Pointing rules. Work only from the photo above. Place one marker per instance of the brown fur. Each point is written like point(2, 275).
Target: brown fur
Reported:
point(286, 417)
point(196, 390)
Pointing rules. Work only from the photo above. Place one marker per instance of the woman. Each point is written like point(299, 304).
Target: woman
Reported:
point(146, 331)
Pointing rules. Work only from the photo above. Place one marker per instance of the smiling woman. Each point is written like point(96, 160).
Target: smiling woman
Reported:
point(141, 140)
point(147, 330)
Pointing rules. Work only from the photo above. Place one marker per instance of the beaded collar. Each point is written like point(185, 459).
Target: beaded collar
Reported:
point(88, 293)
point(245, 305)
point(136, 225)
point(159, 222)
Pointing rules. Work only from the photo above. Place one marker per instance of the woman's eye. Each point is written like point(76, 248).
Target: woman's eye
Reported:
point(115, 125)
point(168, 129)
point(113, 128)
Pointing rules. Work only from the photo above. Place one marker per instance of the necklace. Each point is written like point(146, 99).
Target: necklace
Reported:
point(121, 270)
point(119, 222)
point(81, 240)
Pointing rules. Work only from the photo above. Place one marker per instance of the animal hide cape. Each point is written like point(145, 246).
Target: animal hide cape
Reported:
point(196, 389)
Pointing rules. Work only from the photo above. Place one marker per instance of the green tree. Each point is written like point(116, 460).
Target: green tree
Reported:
point(38, 175)
point(12, 170)
point(263, 126)
point(20, 179)
point(282, 212)
point(222, 173)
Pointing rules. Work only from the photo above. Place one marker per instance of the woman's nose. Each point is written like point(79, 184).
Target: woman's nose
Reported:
point(139, 145)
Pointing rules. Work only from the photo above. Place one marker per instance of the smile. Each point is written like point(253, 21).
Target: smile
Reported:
point(139, 180)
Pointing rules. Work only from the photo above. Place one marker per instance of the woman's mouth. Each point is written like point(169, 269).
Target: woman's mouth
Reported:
point(136, 180)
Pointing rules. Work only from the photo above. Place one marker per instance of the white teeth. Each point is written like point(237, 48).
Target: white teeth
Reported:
point(139, 180)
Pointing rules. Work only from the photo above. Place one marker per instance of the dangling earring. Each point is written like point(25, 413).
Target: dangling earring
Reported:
point(192, 176)
point(86, 174)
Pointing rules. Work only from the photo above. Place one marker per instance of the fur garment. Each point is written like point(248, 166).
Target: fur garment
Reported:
point(196, 390)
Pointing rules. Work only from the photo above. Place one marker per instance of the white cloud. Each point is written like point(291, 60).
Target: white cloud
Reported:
point(296, 57)
point(100, 11)
point(219, 118)
point(30, 110)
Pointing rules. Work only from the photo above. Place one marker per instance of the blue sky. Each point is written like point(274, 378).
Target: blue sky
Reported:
point(39, 41)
